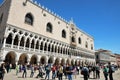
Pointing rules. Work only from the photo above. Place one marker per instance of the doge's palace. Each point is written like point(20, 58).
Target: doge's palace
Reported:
point(33, 34)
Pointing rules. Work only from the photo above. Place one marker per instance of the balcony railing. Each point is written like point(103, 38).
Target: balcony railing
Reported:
point(36, 51)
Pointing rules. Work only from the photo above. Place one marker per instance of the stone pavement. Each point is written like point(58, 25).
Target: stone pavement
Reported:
point(12, 76)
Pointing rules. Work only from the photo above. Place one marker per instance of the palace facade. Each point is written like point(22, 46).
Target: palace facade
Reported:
point(30, 33)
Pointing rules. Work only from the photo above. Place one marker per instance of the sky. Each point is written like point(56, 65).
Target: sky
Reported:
point(99, 18)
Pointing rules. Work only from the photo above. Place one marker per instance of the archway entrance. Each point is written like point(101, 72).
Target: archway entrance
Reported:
point(68, 61)
point(57, 61)
point(63, 62)
point(10, 58)
point(23, 59)
point(43, 60)
point(50, 60)
point(76, 62)
point(33, 59)
point(72, 62)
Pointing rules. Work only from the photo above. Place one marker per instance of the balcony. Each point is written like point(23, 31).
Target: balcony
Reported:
point(35, 51)
point(73, 44)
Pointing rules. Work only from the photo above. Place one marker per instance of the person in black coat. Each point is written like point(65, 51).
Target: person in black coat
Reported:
point(2, 71)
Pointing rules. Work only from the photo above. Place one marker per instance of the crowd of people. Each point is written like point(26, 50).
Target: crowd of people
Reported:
point(58, 71)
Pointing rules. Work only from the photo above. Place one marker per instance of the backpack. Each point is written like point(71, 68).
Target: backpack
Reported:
point(60, 70)
point(47, 68)
point(113, 69)
point(84, 71)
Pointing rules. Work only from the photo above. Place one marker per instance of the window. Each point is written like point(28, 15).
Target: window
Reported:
point(91, 46)
point(49, 28)
point(79, 40)
point(29, 19)
point(86, 45)
point(1, 17)
point(73, 39)
point(63, 33)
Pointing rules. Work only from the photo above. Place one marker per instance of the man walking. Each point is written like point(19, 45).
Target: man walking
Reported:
point(110, 71)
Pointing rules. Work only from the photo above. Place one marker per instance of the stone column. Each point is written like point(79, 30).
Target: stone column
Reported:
point(12, 43)
point(43, 46)
point(30, 45)
point(4, 42)
point(24, 45)
point(34, 46)
point(18, 44)
point(39, 45)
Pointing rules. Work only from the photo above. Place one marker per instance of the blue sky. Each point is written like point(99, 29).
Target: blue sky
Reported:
point(99, 18)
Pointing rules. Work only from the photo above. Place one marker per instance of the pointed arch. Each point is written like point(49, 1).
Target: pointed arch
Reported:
point(73, 39)
point(22, 41)
point(79, 40)
point(33, 43)
point(29, 19)
point(27, 42)
point(91, 46)
point(63, 33)
point(48, 47)
point(33, 59)
point(16, 40)
point(10, 57)
point(9, 39)
point(51, 59)
point(23, 59)
point(86, 44)
point(49, 27)
point(43, 60)
point(37, 45)
point(45, 47)
point(41, 46)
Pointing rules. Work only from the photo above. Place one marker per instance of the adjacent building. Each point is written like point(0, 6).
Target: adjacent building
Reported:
point(105, 56)
point(30, 33)
point(117, 59)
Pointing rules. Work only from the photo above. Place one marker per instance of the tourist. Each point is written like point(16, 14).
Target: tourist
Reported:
point(97, 71)
point(24, 71)
point(2, 71)
point(32, 71)
point(74, 71)
point(69, 71)
point(85, 72)
point(105, 72)
point(110, 71)
point(47, 69)
point(54, 72)
point(60, 72)
point(17, 69)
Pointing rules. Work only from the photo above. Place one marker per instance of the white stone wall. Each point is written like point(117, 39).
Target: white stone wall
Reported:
point(17, 15)
point(4, 9)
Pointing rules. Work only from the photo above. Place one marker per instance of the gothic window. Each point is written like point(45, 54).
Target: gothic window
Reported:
point(49, 28)
point(28, 43)
point(55, 48)
point(52, 49)
point(73, 39)
point(49, 47)
point(45, 47)
point(1, 17)
point(22, 42)
point(9, 39)
point(86, 44)
point(16, 40)
point(91, 46)
point(63, 33)
point(29, 19)
point(32, 44)
point(41, 46)
point(79, 40)
point(37, 45)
